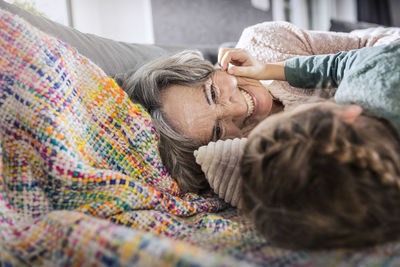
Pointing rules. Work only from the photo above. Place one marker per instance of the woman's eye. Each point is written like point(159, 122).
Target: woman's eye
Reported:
point(217, 132)
point(212, 92)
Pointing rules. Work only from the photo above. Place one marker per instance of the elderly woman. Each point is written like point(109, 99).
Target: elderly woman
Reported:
point(193, 103)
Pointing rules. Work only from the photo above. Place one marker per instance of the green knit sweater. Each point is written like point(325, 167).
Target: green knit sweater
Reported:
point(369, 77)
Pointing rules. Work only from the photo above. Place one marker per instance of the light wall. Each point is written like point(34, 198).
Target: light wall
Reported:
point(203, 22)
point(53, 9)
point(314, 14)
point(122, 20)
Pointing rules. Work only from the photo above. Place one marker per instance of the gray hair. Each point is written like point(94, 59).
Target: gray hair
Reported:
point(187, 68)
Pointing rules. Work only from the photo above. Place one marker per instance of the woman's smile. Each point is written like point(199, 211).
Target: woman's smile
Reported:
point(250, 101)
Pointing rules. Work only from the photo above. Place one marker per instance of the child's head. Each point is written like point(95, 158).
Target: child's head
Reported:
point(323, 176)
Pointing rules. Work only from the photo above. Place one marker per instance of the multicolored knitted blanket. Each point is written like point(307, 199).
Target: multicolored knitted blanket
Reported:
point(82, 182)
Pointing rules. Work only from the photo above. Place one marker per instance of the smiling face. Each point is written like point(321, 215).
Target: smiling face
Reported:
point(224, 107)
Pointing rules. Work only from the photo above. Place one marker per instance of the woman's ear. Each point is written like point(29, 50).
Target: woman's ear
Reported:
point(349, 113)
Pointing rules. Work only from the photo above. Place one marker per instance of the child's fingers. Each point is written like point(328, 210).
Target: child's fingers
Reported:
point(221, 53)
point(233, 56)
point(242, 71)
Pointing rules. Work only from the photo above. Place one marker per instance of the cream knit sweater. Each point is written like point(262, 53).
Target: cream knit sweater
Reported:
point(272, 42)
point(220, 162)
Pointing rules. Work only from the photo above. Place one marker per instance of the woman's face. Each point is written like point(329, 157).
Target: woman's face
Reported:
point(224, 107)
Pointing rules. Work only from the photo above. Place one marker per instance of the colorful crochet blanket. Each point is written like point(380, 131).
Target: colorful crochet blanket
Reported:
point(81, 182)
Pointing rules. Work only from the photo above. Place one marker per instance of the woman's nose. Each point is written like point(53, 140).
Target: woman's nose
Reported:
point(230, 87)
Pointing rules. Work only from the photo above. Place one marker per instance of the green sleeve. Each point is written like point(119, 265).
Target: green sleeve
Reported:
point(320, 71)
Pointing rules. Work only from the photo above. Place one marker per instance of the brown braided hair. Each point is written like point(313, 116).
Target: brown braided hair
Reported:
point(316, 182)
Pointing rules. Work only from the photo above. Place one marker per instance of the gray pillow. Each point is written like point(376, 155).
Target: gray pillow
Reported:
point(117, 59)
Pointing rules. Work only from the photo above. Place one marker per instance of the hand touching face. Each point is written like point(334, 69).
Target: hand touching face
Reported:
point(239, 62)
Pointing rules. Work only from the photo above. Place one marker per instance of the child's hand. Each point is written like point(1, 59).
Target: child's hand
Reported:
point(239, 62)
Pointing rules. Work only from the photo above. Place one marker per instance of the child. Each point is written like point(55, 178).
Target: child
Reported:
point(323, 175)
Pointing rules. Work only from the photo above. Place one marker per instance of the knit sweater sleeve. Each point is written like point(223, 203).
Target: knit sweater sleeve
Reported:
point(278, 41)
point(377, 36)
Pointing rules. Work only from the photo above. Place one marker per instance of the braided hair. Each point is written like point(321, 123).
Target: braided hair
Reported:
point(317, 182)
